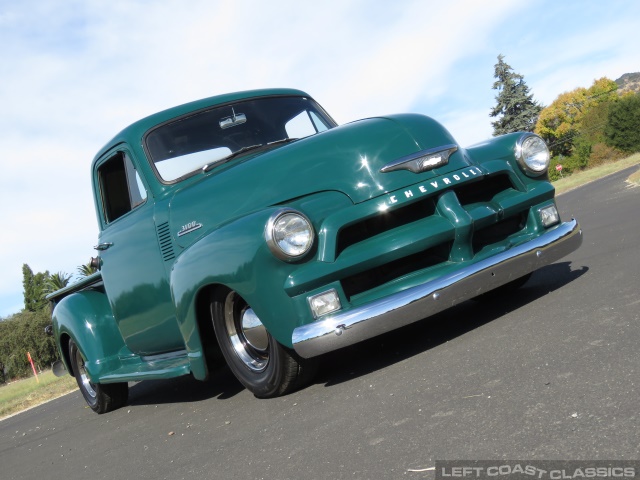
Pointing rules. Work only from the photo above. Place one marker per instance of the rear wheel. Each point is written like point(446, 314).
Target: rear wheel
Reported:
point(258, 361)
point(102, 398)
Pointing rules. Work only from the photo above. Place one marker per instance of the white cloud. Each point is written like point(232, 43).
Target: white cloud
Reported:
point(76, 72)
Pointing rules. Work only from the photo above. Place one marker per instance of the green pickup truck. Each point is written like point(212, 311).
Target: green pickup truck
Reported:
point(250, 229)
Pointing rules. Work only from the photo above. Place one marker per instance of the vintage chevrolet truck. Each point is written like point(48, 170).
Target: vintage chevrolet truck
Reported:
point(251, 229)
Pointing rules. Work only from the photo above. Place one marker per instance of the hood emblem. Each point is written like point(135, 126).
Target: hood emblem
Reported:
point(423, 160)
point(189, 227)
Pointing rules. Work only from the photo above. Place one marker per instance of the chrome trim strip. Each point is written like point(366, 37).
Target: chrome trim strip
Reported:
point(416, 303)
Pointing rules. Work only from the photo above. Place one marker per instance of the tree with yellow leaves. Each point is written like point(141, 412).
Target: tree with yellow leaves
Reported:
point(561, 122)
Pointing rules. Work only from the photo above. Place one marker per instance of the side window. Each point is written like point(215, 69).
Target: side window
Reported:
point(120, 187)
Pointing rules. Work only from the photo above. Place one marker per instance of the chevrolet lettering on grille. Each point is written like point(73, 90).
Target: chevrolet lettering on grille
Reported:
point(434, 185)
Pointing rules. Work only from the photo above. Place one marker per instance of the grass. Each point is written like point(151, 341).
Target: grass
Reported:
point(635, 178)
point(26, 393)
point(581, 178)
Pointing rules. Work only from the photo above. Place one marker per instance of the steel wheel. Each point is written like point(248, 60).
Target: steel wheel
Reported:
point(248, 337)
point(101, 398)
point(258, 361)
point(87, 387)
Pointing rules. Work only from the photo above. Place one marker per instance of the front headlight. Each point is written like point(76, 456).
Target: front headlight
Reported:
point(289, 235)
point(532, 154)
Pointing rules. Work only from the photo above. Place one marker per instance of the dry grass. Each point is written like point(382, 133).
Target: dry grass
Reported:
point(27, 393)
point(635, 178)
point(581, 178)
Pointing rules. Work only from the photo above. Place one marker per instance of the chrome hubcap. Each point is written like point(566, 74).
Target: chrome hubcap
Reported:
point(84, 378)
point(247, 335)
point(254, 331)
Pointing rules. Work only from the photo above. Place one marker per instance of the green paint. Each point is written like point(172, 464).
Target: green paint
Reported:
point(143, 315)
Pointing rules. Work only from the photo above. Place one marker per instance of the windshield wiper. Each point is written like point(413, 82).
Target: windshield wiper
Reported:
point(230, 157)
point(282, 140)
point(208, 167)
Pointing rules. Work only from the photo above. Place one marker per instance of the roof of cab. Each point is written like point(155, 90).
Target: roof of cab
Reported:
point(133, 133)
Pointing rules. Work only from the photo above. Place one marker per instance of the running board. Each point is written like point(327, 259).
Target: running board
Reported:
point(149, 368)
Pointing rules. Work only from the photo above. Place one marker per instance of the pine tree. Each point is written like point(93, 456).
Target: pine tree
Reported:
point(516, 109)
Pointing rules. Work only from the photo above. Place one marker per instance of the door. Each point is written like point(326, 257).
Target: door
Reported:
point(133, 270)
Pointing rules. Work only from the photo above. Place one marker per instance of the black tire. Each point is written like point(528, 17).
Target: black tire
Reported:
point(102, 398)
point(266, 368)
point(506, 289)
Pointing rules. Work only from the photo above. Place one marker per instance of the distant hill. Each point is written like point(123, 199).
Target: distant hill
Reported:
point(629, 82)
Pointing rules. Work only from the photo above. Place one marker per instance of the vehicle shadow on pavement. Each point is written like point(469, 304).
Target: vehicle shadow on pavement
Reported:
point(221, 385)
point(374, 354)
point(393, 347)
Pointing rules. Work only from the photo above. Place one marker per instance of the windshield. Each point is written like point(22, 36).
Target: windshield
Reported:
point(216, 135)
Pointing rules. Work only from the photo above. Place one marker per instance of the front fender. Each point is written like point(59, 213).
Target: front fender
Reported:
point(87, 319)
point(492, 155)
point(237, 257)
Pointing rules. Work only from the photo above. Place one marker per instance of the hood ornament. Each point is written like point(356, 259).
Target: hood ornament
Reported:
point(423, 160)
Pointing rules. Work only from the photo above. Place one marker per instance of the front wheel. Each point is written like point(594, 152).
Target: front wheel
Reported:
point(102, 398)
point(259, 362)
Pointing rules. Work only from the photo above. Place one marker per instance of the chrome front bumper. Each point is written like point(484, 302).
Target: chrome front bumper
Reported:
point(395, 311)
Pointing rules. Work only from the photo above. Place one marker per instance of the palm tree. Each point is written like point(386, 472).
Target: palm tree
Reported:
point(86, 270)
point(56, 282)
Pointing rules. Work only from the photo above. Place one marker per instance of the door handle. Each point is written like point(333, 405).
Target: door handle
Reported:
point(103, 246)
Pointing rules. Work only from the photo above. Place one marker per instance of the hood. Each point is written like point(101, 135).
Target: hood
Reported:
point(345, 159)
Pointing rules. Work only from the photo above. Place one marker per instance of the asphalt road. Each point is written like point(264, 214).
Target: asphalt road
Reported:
point(551, 373)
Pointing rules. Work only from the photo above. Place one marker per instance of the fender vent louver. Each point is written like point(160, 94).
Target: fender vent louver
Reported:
point(164, 239)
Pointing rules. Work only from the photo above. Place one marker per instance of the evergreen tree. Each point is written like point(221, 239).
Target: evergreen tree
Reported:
point(622, 127)
point(515, 108)
point(34, 288)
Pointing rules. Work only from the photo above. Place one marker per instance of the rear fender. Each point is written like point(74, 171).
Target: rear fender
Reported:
point(86, 318)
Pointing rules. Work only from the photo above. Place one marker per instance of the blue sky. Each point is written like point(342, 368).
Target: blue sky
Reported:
point(73, 73)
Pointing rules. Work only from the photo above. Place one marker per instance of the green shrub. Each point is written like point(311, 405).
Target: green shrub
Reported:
point(22, 333)
point(582, 148)
point(602, 153)
point(622, 130)
point(555, 174)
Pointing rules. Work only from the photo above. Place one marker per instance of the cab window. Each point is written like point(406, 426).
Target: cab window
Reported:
point(121, 188)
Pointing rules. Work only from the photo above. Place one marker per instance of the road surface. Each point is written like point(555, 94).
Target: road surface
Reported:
point(551, 373)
